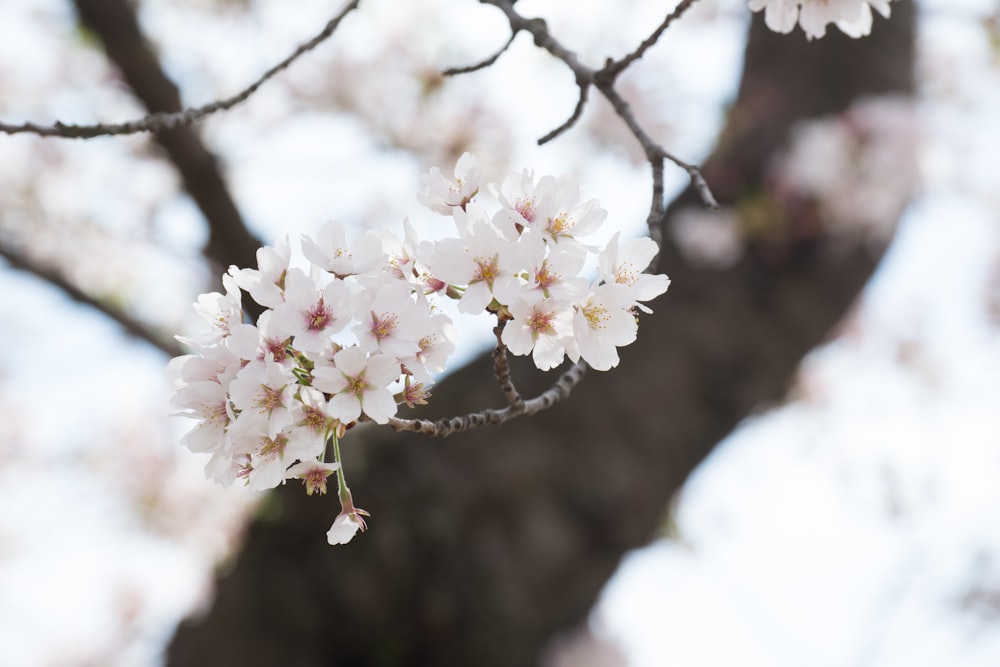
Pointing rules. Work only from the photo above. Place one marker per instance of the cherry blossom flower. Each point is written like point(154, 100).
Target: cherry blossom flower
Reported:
point(443, 195)
point(201, 391)
point(263, 341)
point(542, 328)
point(313, 413)
point(266, 283)
point(209, 403)
point(359, 383)
point(221, 311)
point(390, 321)
point(332, 252)
point(313, 473)
point(346, 526)
point(553, 271)
point(603, 322)
point(263, 395)
point(563, 216)
point(436, 345)
point(485, 259)
point(311, 314)
point(853, 17)
point(623, 264)
point(521, 197)
point(271, 456)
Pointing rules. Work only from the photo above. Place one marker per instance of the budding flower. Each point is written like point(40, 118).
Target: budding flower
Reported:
point(348, 522)
point(413, 394)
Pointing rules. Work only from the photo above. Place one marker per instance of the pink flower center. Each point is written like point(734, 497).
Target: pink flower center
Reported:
point(383, 325)
point(319, 316)
point(313, 419)
point(273, 447)
point(269, 398)
point(541, 323)
point(357, 385)
point(526, 207)
point(276, 348)
point(561, 225)
point(545, 277)
point(487, 270)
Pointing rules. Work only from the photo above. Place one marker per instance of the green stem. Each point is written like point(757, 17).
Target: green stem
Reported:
point(342, 489)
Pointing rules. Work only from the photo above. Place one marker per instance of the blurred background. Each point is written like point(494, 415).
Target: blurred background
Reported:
point(848, 519)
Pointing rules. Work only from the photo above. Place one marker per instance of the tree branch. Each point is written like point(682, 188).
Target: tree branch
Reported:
point(168, 120)
point(132, 326)
point(440, 428)
point(604, 80)
point(614, 68)
point(501, 369)
point(114, 21)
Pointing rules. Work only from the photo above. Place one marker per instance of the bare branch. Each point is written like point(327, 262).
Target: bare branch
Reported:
point(132, 326)
point(441, 428)
point(452, 71)
point(604, 80)
point(170, 120)
point(571, 121)
point(614, 68)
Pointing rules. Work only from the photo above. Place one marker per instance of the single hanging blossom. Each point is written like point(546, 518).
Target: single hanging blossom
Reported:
point(348, 522)
point(345, 526)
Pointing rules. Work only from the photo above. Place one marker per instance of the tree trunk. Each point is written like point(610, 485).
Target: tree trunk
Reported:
point(484, 545)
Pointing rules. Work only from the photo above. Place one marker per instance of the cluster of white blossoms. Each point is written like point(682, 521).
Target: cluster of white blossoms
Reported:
point(357, 333)
point(853, 17)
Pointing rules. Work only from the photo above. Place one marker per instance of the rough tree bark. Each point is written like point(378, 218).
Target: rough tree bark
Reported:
point(485, 545)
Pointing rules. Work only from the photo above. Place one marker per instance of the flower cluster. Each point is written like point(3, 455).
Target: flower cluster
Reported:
point(357, 332)
point(853, 17)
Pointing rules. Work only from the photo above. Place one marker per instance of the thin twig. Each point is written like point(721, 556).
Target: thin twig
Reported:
point(166, 121)
point(440, 428)
point(616, 67)
point(452, 71)
point(604, 80)
point(577, 112)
